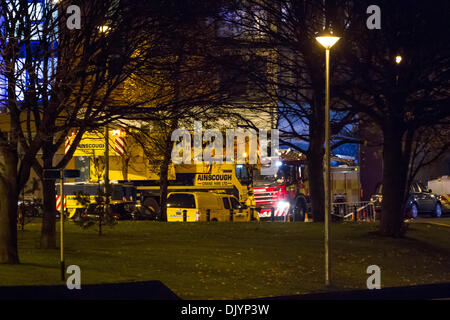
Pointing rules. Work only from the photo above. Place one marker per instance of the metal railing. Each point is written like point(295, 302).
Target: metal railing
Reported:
point(354, 211)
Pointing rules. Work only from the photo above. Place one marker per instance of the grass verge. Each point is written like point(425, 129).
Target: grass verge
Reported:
point(236, 261)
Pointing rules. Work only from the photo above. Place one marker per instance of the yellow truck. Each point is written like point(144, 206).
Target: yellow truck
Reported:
point(230, 179)
point(129, 163)
point(122, 195)
point(205, 207)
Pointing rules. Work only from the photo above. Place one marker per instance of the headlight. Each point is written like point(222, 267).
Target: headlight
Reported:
point(375, 199)
point(282, 205)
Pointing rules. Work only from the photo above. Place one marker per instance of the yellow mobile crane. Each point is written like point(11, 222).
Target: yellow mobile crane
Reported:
point(143, 173)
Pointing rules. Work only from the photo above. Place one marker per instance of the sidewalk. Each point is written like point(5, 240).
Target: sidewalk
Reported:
point(156, 290)
point(149, 290)
point(439, 291)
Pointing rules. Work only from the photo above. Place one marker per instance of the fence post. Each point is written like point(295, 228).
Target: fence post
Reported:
point(272, 214)
point(208, 215)
point(355, 213)
point(184, 215)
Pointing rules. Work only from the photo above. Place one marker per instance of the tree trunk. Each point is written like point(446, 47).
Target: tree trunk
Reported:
point(8, 209)
point(394, 183)
point(125, 163)
point(316, 181)
point(315, 156)
point(48, 230)
point(164, 171)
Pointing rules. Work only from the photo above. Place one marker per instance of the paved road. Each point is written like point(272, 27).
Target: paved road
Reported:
point(443, 222)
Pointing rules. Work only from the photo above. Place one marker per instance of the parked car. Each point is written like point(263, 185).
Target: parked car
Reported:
point(420, 201)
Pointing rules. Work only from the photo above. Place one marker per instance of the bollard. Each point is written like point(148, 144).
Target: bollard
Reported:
point(272, 213)
point(231, 215)
point(355, 213)
point(184, 215)
point(208, 215)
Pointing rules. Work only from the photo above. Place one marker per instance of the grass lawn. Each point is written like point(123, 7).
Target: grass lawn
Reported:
point(240, 260)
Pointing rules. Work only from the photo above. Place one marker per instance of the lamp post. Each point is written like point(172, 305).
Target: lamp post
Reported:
point(106, 154)
point(327, 40)
point(398, 60)
point(104, 29)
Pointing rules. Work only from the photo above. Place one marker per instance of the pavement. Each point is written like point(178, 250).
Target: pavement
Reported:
point(148, 290)
point(439, 291)
point(443, 222)
point(156, 290)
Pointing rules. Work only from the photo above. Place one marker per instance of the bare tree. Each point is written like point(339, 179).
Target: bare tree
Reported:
point(429, 145)
point(286, 69)
point(58, 79)
point(181, 79)
point(403, 97)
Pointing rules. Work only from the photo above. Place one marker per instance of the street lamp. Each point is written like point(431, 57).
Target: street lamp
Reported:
point(398, 60)
point(104, 29)
point(327, 40)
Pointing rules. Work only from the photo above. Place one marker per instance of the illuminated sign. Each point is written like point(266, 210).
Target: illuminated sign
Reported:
point(214, 179)
point(93, 144)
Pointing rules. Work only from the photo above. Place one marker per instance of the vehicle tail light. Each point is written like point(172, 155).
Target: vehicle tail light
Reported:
point(197, 215)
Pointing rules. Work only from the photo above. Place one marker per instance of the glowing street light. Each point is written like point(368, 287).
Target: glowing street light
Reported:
point(327, 40)
point(398, 60)
point(104, 29)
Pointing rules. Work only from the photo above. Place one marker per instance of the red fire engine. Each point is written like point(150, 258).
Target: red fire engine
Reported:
point(286, 194)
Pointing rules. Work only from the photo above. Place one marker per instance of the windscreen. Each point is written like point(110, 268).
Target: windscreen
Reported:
point(285, 174)
point(242, 174)
point(181, 200)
